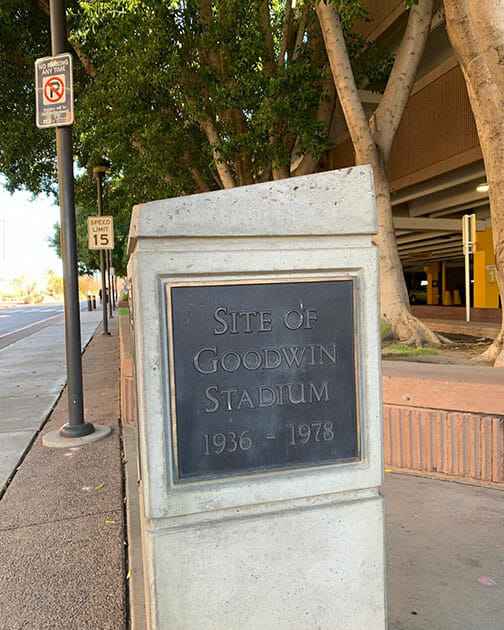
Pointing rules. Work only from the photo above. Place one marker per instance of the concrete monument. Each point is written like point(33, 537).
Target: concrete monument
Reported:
point(259, 406)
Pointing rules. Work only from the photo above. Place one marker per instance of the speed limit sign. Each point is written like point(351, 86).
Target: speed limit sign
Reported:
point(101, 232)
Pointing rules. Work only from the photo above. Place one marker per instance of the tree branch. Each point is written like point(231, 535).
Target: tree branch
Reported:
point(300, 32)
point(344, 82)
point(488, 23)
point(85, 60)
point(462, 39)
point(222, 167)
point(307, 164)
point(201, 184)
point(285, 32)
point(269, 62)
point(385, 121)
point(205, 12)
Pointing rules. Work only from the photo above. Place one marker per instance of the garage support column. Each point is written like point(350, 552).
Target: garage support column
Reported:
point(432, 272)
point(486, 291)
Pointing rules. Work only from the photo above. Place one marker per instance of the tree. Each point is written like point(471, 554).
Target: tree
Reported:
point(476, 32)
point(88, 285)
point(372, 140)
point(194, 95)
point(181, 97)
point(54, 285)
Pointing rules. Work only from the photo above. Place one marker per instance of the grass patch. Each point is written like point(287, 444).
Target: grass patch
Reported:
point(384, 328)
point(124, 310)
point(398, 348)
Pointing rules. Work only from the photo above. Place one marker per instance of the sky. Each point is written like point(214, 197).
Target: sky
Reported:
point(25, 226)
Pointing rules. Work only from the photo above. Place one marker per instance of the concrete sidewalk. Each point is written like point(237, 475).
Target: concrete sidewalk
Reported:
point(445, 555)
point(62, 533)
point(32, 375)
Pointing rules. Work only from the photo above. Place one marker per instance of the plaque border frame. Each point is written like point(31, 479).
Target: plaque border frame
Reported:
point(227, 476)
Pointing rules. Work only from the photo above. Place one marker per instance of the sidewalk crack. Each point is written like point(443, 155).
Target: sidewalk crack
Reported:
point(117, 510)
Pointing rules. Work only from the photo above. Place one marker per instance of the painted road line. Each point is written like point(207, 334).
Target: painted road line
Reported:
point(20, 333)
point(18, 330)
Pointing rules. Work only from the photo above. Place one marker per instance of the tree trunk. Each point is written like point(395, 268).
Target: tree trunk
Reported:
point(394, 301)
point(479, 51)
point(372, 142)
point(280, 172)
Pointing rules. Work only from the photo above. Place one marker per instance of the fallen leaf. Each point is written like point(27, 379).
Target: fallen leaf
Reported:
point(487, 581)
point(99, 486)
point(128, 575)
point(110, 522)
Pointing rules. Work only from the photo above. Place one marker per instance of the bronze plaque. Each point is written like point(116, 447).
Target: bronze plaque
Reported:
point(263, 376)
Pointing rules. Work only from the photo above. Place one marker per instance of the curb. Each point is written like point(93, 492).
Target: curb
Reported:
point(135, 583)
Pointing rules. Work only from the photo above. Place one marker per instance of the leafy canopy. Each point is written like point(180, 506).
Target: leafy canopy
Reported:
point(175, 95)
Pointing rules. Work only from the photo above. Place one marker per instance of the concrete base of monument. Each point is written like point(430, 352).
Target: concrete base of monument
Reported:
point(54, 439)
point(315, 563)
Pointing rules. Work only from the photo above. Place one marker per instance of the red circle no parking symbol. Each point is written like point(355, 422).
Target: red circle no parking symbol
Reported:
point(54, 89)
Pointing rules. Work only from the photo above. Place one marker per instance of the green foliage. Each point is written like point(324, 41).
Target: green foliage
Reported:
point(155, 71)
point(384, 329)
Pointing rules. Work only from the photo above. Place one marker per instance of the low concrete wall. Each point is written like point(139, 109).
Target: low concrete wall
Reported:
point(128, 398)
point(444, 420)
point(423, 311)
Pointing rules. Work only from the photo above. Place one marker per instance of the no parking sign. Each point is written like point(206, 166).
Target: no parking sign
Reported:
point(54, 91)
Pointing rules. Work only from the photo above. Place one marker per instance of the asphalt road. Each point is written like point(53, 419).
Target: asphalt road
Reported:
point(17, 317)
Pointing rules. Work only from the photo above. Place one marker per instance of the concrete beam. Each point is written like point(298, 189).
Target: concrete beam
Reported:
point(444, 200)
point(441, 183)
point(435, 225)
point(431, 245)
point(367, 96)
point(431, 254)
point(416, 237)
point(465, 206)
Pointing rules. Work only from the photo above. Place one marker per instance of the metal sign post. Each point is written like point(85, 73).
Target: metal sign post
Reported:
point(469, 245)
point(98, 173)
point(108, 254)
point(56, 88)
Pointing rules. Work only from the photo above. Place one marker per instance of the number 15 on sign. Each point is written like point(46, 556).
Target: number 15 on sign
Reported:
point(101, 232)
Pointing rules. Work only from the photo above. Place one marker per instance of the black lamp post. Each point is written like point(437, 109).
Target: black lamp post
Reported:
point(76, 426)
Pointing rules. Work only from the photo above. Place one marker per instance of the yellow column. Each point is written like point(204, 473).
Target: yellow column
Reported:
point(486, 291)
point(446, 299)
point(432, 272)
